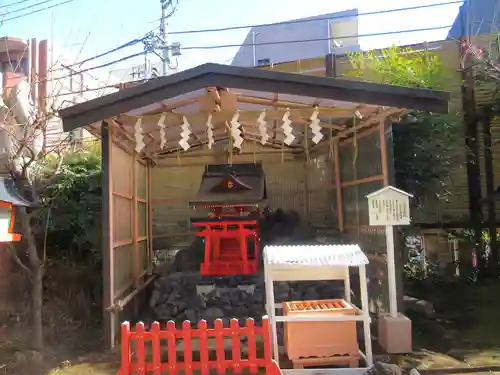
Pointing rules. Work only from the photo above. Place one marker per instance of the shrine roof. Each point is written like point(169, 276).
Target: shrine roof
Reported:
point(224, 184)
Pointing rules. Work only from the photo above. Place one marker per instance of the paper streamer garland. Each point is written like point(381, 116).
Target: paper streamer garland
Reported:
point(139, 139)
point(315, 127)
point(186, 132)
point(163, 135)
point(210, 132)
point(262, 124)
point(287, 129)
point(235, 131)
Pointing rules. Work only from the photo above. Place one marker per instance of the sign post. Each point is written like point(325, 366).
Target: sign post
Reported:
point(388, 207)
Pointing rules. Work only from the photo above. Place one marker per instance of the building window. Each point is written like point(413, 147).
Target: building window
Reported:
point(263, 62)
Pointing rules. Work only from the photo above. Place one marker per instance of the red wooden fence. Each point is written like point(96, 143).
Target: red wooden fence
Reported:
point(137, 363)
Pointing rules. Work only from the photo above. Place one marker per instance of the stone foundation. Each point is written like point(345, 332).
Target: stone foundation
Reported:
point(190, 296)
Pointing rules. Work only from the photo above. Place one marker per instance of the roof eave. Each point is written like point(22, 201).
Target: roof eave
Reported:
point(205, 75)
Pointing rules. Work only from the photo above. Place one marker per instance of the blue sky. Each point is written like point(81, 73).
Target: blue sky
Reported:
point(84, 28)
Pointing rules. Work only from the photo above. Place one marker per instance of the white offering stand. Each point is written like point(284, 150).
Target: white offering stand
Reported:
point(317, 262)
point(388, 207)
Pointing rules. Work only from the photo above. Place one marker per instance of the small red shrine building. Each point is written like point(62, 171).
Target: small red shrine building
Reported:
point(232, 194)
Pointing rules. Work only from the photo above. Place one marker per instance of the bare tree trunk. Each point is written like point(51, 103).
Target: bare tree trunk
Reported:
point(37, 271)
point(37, 301)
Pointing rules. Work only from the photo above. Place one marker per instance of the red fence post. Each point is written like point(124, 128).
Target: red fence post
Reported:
point(235, 343)
point(140, 348)
point(188, 347)
point(252, 345)
point(125, 349)
point(172, 348)
point(155, 348)
point(220, 355)
point(204, 357)
point(266, 338)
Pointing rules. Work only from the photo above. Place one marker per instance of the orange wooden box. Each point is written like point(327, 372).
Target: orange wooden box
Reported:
point(320, 339)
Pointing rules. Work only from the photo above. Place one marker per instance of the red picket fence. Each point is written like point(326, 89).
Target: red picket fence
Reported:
point(138, 364)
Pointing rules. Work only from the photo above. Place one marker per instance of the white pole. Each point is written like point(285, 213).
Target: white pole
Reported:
point(329, 33)
point(164, 35)
point(391, 271)
point(347, 286)
point(366, 315)
point(271, 310)
point(254, 50)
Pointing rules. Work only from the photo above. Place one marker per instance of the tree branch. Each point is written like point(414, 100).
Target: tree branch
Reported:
point(13, 254)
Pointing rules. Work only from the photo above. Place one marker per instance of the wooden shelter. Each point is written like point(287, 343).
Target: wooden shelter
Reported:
point(323, 143)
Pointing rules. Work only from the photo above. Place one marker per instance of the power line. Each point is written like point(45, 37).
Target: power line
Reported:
point(315, 39)
point(36, 11)
point(268, 43)
point(26, 7)
point(142, 81)
point(100, 66)
point(135, 41)
point(113, 86)
point(148, 39)
point(15, 3)
point(124, 45)
point(333, 17)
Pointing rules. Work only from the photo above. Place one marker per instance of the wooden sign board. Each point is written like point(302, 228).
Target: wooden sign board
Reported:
point(389, 206)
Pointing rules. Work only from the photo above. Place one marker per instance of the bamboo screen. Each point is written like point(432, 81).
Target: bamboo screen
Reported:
point(361, 173)
point(292, 184)
point(129, 221)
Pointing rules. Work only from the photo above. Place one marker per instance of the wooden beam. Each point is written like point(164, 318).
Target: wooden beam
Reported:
point(364, 180)
point(374, 120)
point(359, 136)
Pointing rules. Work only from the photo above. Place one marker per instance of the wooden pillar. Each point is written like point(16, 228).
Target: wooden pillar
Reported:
point(135, 244)
point(137, 267)
point(307, 196)
point(383, 153)
point(149, 203)
point(338, 185)
point(331, 71)
point(107, 236)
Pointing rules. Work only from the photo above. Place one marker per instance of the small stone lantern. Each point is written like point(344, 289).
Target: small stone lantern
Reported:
point(9, 200)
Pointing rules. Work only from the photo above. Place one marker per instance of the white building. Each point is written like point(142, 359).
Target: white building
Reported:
point(300, 39)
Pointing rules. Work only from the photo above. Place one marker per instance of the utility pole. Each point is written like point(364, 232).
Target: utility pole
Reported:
point(164, 36)
point(158, 43)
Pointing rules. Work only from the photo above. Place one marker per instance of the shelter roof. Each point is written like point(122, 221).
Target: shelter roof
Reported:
point(218, 91)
